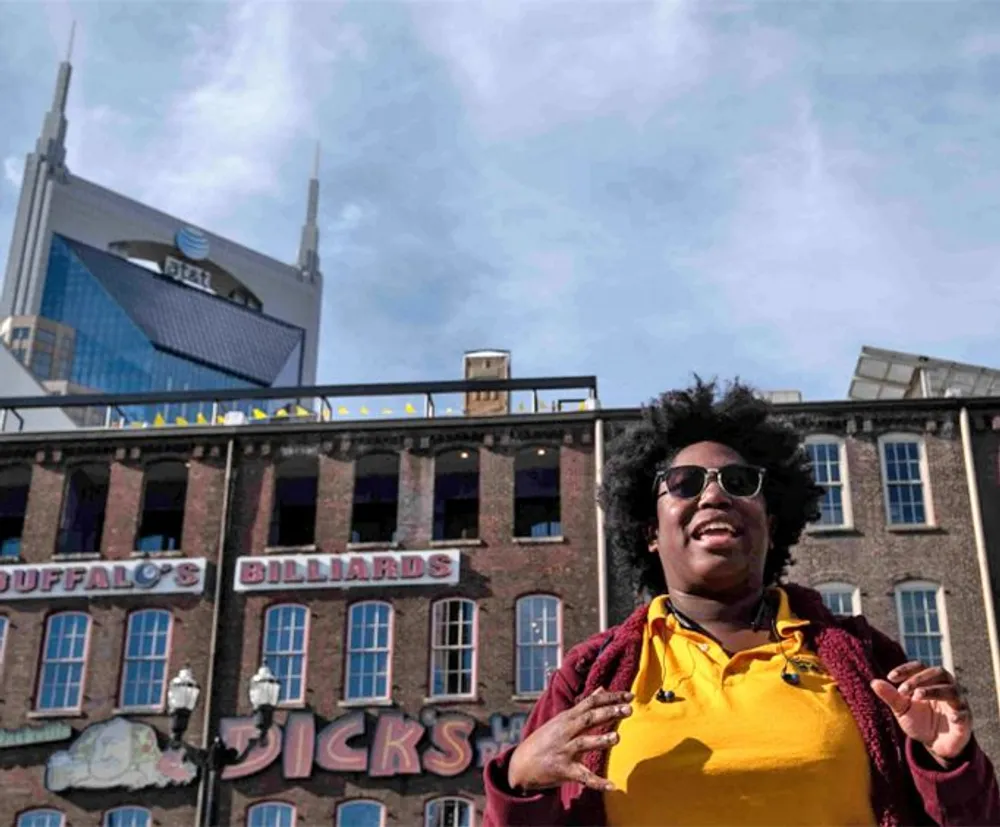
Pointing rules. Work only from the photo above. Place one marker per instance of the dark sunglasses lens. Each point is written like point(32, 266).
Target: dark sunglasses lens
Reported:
point(685, 481)
point(740, 480)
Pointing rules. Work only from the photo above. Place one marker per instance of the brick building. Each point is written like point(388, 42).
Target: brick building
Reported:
point(410, 580)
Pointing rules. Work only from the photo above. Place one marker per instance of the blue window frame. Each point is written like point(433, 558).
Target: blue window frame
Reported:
point(41, 818)
point(539, 647)
point(360, 814)
point(147, 645)
point(271, 814)
point(60, 684)
point(286, 649)
point(128, 817)
point(369, 651)
point(825, 460)
point(904, 481)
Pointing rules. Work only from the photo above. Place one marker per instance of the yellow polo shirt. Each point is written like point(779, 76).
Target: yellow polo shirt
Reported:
point(738, 745)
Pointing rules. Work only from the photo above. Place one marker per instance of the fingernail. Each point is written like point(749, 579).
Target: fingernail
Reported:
point(624, 710)
point(629, 696)
point(892, 675)
point(918, 694)
point(904, 688)
point(609, 787)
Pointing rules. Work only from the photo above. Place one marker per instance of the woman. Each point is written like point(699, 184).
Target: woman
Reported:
point(731, 700)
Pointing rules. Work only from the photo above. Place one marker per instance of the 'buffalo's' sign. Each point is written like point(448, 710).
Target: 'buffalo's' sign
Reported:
point(101, 579)
point(382, 745)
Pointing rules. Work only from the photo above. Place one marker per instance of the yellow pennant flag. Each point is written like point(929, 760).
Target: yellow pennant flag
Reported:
point(137, 424)
point(259, 414)
point(542, 406)
point(386, 411)
point(448, 410)
point(583, 406)
point(159, 421)
point(220, 419)
point(342, 411)
point(200, 419)
point(364, 411)
point(181, 420)
point(300, 411)
point(281, 414)
point(410, 409)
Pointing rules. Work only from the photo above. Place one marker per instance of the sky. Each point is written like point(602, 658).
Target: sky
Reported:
point(636, 190)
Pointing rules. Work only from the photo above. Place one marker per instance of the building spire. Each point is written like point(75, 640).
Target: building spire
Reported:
point(52, 142)
point(309, 245)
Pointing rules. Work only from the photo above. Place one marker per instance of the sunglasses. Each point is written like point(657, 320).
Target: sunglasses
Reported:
point(689, 481)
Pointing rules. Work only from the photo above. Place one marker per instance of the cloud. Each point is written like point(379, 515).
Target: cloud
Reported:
point(13, 171)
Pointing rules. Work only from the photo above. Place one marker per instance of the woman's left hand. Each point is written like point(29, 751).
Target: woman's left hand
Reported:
point(930, 708)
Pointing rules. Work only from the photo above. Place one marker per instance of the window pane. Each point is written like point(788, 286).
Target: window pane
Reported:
point(41, 818)
point(127, 817)
point(359, 814)
point(839, 601)
point(538, 644)
point(61, 675)
point(368, 652)
point(921, 626)
point(452, 647)
point(904, 483)
point(285, 649)
point(825, 460)
point(448, 812)
point(145, 667)
point(271, 815)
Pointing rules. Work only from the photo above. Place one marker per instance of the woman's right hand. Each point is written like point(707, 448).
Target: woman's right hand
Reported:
point(550, 756)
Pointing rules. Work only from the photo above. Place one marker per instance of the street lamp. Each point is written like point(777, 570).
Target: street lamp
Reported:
point(182, 698)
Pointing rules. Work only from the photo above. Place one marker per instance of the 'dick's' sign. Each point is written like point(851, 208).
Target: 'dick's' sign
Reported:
point(344, 571)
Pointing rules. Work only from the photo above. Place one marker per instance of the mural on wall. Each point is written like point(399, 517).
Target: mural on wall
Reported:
point(383, 744)
point(117, 753)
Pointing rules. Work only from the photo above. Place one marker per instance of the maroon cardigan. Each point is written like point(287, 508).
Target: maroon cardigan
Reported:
point(907, 787)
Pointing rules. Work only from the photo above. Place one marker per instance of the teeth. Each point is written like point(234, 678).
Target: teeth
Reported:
point(712, 528)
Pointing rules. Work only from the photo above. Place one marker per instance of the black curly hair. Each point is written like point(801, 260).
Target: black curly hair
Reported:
point(735, 417)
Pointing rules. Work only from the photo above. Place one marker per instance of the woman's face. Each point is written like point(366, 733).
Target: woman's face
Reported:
point(718, 562)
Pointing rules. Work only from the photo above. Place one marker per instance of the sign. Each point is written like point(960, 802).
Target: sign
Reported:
point(187, 273)
point(99, 579)
point(385, 744)
point(117, 753)
point(344, 571)
point(192, 243)
point(30, 735)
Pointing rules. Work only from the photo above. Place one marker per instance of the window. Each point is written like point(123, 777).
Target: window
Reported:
point(456, 495)
point(3, 639)
point(127, 817)
point(286, 634)
point(14, 485)
point(539, 647)
point(271, 814)
point(64, 657)
point(84, 505)
point(903, 469)
point(376, 498)
point(293, 516)
point(842, 599)
point(41, 364)
point(147, 647)
point(163, 507)
point(536, 493)
point(829, 466)
point(453, 648)
point(920, 608)
point(360, 814)
point(448, 812)
point(44, 336)
point(41, 818)
point(21, 333)
point(369, 646)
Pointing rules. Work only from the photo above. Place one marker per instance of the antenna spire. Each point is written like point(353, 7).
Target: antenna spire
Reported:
point(309, 245)
point(69, 48)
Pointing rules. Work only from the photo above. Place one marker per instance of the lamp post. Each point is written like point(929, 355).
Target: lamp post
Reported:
point(182, 698)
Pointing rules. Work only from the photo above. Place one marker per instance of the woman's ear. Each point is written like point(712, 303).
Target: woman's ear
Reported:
point(651, 538)
point(772, 524)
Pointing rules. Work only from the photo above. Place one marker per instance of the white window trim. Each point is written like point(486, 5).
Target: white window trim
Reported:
point(842, 587)
point(446, 798)
point(159, 705)
point(256, 804)
point(68, 710)
point(845, 484)
point(4, 635)
point(518, 691)
point(391, 644)
point(942, 610)
point(38, 810)
point(350, 801)
point(299, 701)
point(106, 820)
point(925, 480)
point(474, 680)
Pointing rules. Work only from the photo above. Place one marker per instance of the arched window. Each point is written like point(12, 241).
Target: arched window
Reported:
point(905, 477)
point(369, 652)
point(41, 818)
point(539, 641)
point(536, 493)
point(376, 498)
point(923, 623)
point(456, 495)
point(4, 624)
point(842, 599)
point(64, 662)
point(448, 812)
point(84, 504)
point(360, 814)
point(271, 814)
point(147, 650)
point(293, 515)
point(163, 499)
point(128, 817)
point(453, 648)
point(14, 484)
point(828, 457)
point(286, 649)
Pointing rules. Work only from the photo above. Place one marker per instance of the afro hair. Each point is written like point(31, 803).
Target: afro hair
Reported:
point(735, 417)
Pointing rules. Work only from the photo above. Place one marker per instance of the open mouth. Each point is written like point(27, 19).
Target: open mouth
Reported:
point(716, 530)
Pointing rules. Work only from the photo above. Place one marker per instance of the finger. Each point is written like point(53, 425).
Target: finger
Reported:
point(595, 717)
point(942, 692)
point(582, 775)
point(926, 677)
point(602, 697)
point(586, 743)
point(902, 672)
point(897, 701)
